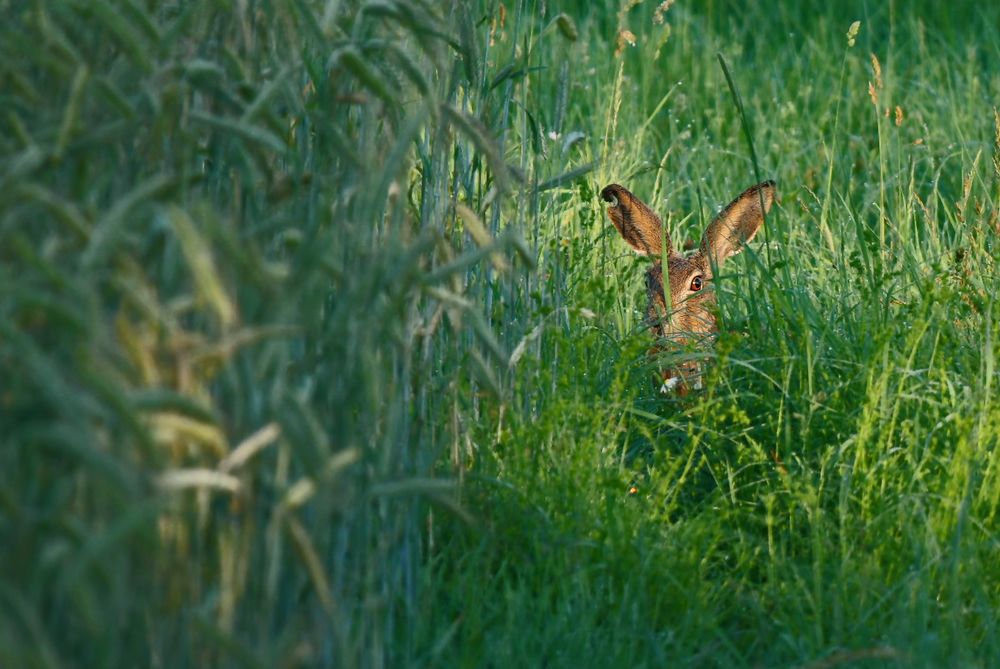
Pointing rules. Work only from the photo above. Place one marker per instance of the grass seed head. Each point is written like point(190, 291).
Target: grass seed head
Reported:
point(877, 69)
point(852, 32)
point(625, 37)
point(996, 141)
point(660, 10)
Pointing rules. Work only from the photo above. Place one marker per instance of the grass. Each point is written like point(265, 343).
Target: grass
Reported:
point(317, 348)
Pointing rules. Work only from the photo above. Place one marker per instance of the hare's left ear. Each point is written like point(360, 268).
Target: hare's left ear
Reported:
point(636, 222)
point(738, 223)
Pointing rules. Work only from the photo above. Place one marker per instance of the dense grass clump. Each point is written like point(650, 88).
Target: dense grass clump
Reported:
point(317, 348)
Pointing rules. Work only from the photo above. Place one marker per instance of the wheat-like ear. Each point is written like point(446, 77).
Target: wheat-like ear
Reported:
point(636, 222)
point(737, 223)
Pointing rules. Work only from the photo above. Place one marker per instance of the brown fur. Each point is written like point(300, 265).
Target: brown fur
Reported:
point(690, 317)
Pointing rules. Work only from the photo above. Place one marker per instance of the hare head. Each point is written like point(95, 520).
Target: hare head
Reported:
point(688, 289)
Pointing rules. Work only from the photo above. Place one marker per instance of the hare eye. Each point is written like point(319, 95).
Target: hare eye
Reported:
point(696, 283)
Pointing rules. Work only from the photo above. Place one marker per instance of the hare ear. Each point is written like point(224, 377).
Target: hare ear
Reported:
point(636, 222)
point(738, 223)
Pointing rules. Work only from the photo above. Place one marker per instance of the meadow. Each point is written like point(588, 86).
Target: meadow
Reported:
point(318, 349)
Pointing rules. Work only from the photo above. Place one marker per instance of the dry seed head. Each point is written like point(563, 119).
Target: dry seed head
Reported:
point(899, 116)
point(872, 94)
point(877, 69)
point(626, 8)
point(497, 23)
point(661, 10)
point(625, 36)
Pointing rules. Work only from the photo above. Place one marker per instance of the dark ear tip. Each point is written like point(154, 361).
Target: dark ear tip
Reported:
point(610, 193)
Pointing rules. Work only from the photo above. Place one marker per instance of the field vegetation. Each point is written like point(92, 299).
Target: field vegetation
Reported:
point(317, 348)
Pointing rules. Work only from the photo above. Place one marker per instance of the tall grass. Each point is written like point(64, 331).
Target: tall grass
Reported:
point(316, 348)
point(234, 316)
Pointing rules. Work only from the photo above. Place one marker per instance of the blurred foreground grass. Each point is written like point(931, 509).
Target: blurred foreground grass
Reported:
point(317, 350)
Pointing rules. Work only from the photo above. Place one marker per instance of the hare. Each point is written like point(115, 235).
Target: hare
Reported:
point(690, 317)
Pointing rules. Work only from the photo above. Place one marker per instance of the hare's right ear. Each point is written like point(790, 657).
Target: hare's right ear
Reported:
point(636, 222)
point(738, 223)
